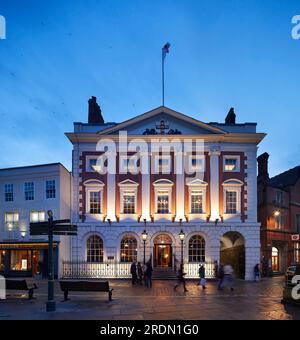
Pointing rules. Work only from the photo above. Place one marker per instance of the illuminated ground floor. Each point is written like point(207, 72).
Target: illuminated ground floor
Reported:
point(108, 251)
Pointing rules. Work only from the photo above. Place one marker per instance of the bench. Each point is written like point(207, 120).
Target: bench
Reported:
point(85, 286)
point(20, 285)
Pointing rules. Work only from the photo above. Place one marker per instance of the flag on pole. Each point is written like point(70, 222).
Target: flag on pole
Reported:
point(166, 49)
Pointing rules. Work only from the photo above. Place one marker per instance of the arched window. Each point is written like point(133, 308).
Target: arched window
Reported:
point(94, 249)
point(128, 249)
point(197, 249)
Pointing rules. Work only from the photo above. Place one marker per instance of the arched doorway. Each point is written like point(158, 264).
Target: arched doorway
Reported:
point(275, 259)
point(233, 252)
point(162, 251)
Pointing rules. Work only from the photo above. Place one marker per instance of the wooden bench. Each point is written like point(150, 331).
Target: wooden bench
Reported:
point(85, 286)
point(20, 285)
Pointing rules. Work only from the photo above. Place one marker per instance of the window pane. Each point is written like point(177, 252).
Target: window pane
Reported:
point(95, 202)
point(12, 221)
point(95, 249)
point(197, 249)
point(231, 202)
point(129, 203)
point(50, 189)
point(8, 192)
point(20, 260)
point(37, 216)
point(230, 164)
point(196, 202)
point(163, 202)
point(29, 191)
point(128, 249)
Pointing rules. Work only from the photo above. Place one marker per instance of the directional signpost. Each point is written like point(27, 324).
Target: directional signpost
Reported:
point(50, 228)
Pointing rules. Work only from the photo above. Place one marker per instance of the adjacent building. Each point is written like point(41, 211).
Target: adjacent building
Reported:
point(132, 202)
point(279, 214)
point(26, 194)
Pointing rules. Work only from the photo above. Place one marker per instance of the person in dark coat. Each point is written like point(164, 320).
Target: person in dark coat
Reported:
point(140, 273)
point(133, 272)
point(220, 276)
point(257, 273)
point(181, 278)
point(148, 273)
point(202, 281)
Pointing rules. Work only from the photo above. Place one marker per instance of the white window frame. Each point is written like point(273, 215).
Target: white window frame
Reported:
point(197, 185)
point(128, 186)
point(234, 185)
point(238, 163)
point(163, 185)
point(196, 168)
point(164, 169)
point(14, 224)
point(93, 186)
point(37, 212)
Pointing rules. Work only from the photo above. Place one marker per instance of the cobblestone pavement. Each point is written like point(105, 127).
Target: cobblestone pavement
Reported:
point(248, 301)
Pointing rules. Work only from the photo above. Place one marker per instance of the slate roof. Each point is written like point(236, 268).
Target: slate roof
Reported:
point(286, 179)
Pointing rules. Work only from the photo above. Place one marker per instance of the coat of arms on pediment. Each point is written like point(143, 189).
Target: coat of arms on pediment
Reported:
point(162, 128)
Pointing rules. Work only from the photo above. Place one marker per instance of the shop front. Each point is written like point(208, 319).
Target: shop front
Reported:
point(26, 259)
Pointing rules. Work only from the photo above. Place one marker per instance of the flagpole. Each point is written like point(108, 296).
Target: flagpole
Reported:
point(163, 78)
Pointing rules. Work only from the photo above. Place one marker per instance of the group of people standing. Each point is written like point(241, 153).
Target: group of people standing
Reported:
point(141, 274)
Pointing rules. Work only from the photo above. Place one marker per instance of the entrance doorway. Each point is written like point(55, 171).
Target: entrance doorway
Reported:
point(163, 251)
point(275, 259)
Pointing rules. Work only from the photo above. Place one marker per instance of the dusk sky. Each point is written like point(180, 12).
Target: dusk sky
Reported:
point(58, 53)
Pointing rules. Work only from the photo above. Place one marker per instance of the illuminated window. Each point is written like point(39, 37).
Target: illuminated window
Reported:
point(129, 202)
point(8, 192)
point(297, 252)
point(20, 260)
point(37, 216)
point(29, 191)
point(231, 163)
point(163, 197)
point(278, 221)
point(95, 249)
point(231, 202)
point(94, 202)
point(197, 249)
point(50, 189)
point(12, 221)
point(128, 249)
point(196, 202)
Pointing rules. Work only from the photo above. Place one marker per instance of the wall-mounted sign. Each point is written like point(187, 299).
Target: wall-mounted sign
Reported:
point(295, 238)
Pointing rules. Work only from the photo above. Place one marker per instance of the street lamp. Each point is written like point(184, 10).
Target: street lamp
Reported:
point(50, 303)
point(276, 213)
point(144, 237)
point(182, 237)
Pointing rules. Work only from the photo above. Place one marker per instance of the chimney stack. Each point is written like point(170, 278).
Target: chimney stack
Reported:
point(95, 116)
point(230, 119)
point(263, 167)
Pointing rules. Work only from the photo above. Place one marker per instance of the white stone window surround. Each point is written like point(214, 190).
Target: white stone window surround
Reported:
point(234, 157)
point(164, 168)
point(234, 185)
point(197, 185)
point(163, 185)
point(196, 168)
point(128, 164)
point(93, 185)
point(128, 186)
point(97, 167)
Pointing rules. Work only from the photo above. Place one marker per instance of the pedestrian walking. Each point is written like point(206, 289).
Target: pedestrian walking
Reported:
point(140, 274)
point(148, 273)
point(181, 278)
point(257, 273)
point(220, 276)
point(133, 272)
point(228, 280)
point(202, 281)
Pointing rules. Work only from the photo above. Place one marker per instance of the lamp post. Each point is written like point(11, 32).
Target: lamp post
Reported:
point(144, 237)
point(182, 237)
point(50, 303)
